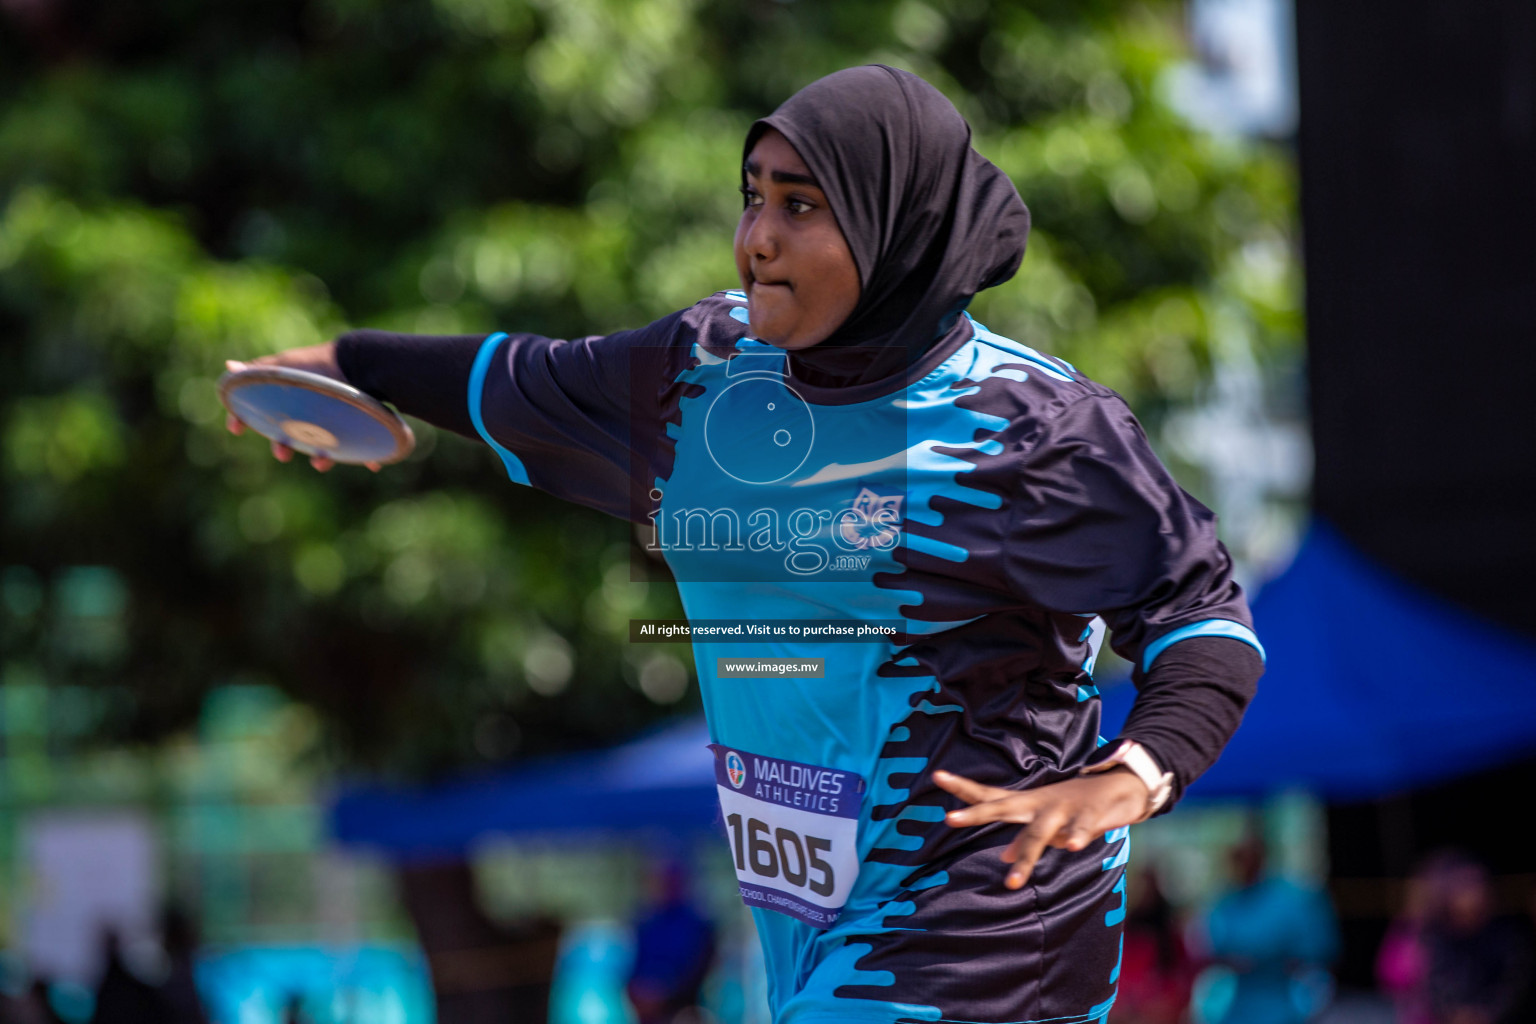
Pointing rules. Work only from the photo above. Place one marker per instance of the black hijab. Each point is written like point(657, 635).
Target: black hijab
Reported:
point(930, 221)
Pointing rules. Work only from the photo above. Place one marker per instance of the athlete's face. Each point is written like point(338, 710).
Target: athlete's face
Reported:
point(800, 279)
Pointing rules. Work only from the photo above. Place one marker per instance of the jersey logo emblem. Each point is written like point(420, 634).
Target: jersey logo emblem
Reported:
point(877, 523)
point(735, 769)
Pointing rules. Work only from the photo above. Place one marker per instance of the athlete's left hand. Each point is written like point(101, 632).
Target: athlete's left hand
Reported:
point(1068, 814)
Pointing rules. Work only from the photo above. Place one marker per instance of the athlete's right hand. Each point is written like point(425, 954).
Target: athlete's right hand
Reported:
point(319, 359)
point(1068, 815)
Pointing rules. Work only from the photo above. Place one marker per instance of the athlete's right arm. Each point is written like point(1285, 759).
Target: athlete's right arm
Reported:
point(584, 419)
point(562, 415)
point(426, 376)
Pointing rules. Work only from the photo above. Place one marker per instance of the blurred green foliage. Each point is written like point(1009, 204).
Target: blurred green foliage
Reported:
point(181, 183)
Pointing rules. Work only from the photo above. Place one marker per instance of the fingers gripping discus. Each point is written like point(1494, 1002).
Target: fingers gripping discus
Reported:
point(316, 415)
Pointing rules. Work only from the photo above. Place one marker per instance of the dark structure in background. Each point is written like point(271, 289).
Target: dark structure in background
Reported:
point(1418, 174)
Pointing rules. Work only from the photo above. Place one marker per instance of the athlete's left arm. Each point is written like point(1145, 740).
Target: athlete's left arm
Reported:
point(1101, 527)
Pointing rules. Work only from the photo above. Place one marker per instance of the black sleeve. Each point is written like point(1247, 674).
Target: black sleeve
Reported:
point(1100, 526)
point(585, 419)
point(424, 375)
point(1190, 703)
point(571, 417)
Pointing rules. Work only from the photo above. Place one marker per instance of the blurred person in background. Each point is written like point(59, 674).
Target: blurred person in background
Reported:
point(674, 947)
point(122, 997)
point(31, 1007)
point(1402, 962)
point(178, 992)
point(1526, 927)
point(1155, 968)
point(1479, 964)
point(1270, 941)
point(293, 1010)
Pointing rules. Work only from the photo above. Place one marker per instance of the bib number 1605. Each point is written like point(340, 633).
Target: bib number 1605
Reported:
point(770, 852)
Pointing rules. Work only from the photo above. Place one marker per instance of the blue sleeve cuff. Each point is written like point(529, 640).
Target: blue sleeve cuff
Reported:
point(1210, 627)
point(515, 468)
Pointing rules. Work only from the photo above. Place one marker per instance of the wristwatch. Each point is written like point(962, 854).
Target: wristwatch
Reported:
point(1135, 757)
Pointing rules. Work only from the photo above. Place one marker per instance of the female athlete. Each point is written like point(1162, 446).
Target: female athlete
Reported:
point(925, 821)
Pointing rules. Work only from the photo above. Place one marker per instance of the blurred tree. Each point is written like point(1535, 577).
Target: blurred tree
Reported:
point(183, 183)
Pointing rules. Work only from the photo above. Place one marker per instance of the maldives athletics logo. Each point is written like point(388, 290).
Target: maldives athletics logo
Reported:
point(735, 769)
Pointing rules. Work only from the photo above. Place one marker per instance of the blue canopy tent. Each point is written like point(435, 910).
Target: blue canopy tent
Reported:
point(662, 781)
point(1373, 687)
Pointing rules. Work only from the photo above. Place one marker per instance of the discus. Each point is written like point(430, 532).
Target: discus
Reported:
point(316, 415)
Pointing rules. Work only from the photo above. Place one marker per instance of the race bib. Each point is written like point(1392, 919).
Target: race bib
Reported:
point(794, 832)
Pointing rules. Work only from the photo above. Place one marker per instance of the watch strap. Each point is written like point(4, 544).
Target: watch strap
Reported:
point(1133, 755)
